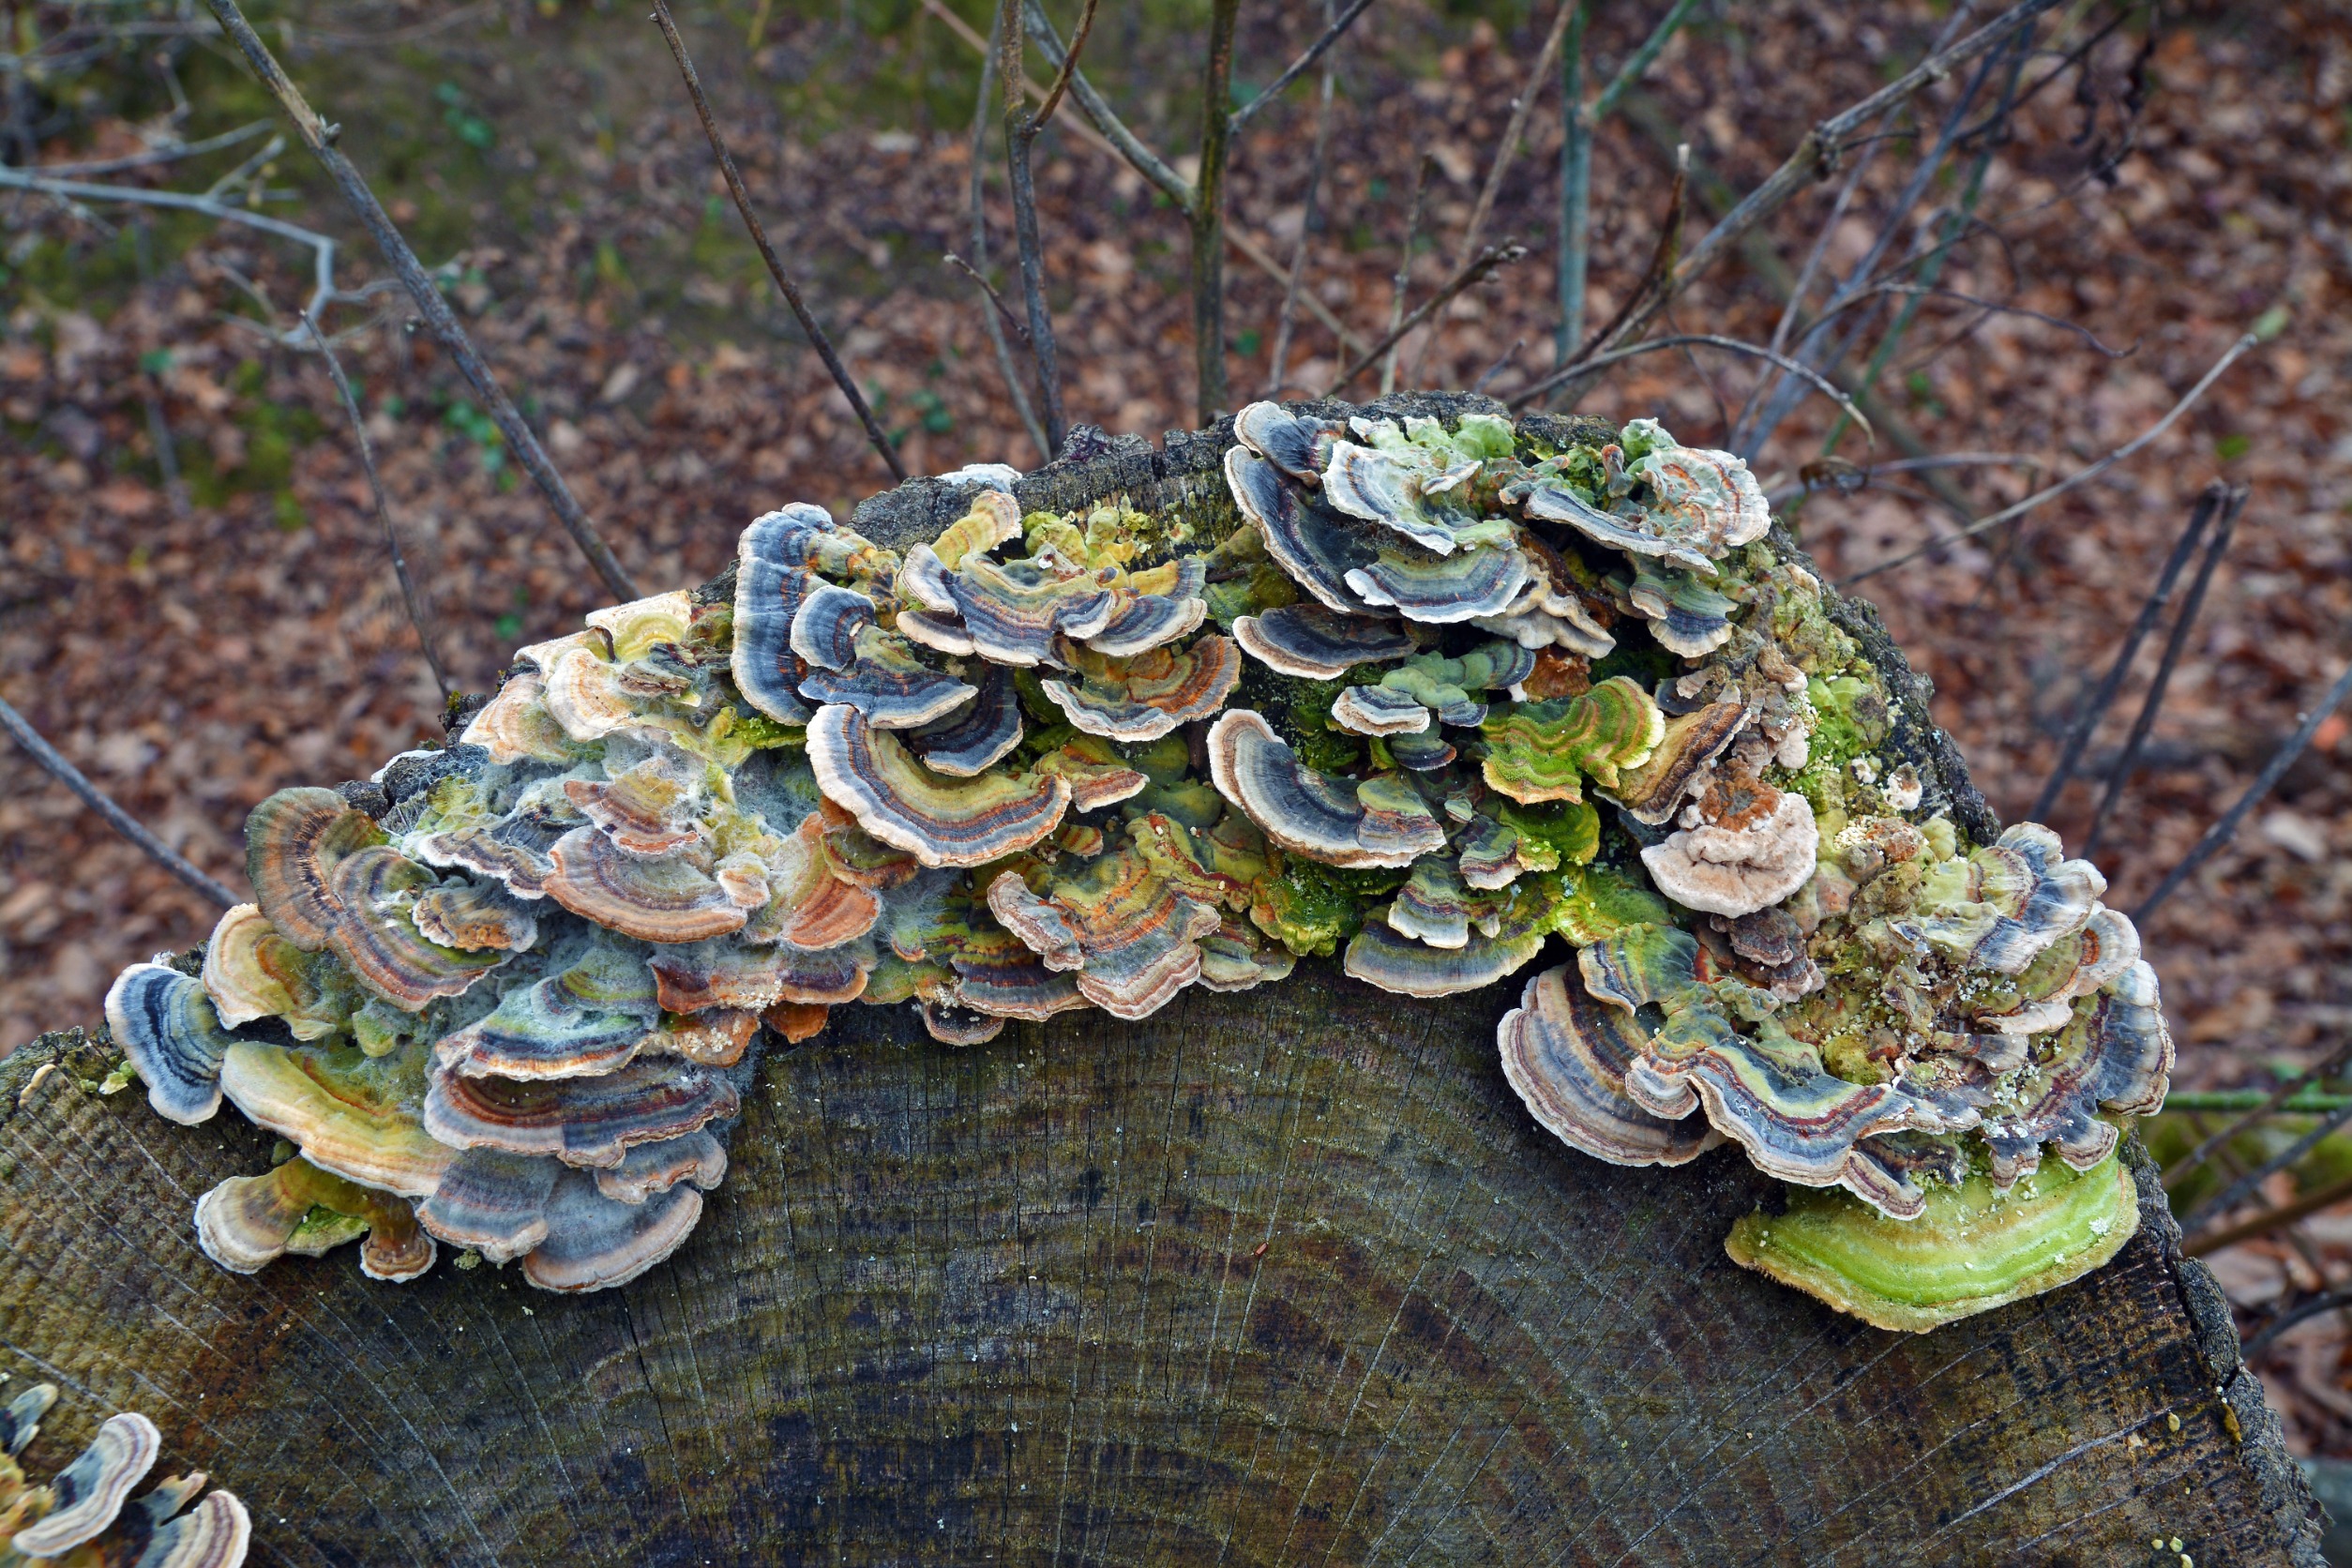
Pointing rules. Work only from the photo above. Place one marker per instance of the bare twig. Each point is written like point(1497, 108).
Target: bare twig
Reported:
point(2078, 735)
point(153, 156)
point(1507, 150)
point(1069, 65)
point(1021, 135)
point(419, 616)
point(117, 818)
point(1575, 242)
point(1485, 265)
point(1208, 213)
point(989, 293)
point(1820, 155)
point(2245, 1185)
point(323, 289)
point(1128, 144)
point(785, 284)
point(2223, 831)
point(2195, 1159)
point(2079, 477)
point(1502, 362)
point(1403, 281)
point(1278, 362)
point(2269, 1220)
point(1861, 477)
point(320, 137)
point(1292, 72)
point(988, 318)
point(2300, 1312)
point(1820, 383)
point(2119, 776)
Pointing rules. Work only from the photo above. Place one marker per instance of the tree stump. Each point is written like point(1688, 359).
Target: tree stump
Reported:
point(1281, 1277)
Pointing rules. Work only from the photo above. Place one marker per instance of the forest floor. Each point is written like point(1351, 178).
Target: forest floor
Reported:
point(198, 632)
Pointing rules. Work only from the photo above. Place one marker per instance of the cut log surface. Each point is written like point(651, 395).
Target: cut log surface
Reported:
point(1284, 1277)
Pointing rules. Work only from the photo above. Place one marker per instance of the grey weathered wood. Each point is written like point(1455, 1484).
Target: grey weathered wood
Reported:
point(1285, 1276)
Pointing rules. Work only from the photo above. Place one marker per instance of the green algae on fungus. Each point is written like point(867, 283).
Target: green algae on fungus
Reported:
point(1466, 690)
point(1974, 1249)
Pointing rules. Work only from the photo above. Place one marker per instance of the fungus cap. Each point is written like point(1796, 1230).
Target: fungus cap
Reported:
point(88, 1493)
point(1567, 1056)
point(650, 1169)
point(940, 821)
point(1314, 546)
point(169, 1031)
point(340, 1110)
point(247, 1221)
point(1743, 862)
point(579, 1120)
point(1378, 709)
point(664, 898)
point(826, 624)
point(1144, 698)
point(1305, 812)
point(492, 1201)
point(594, 1243)
point(1381, 955)
point(975, 737)
point(1314, 643)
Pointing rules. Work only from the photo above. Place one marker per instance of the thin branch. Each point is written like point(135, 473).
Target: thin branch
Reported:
point(117, 818)
point(1575, 243)
point(1653, 277)
point(987, 293)
point(323, 291)
point(1819, 154)
point(153, 156)
point(2266, 1105)
point(1260, 257)
point(2119, 776)
point(1483, 265)
point(1397, 286)
point(1923, 291)
point(2151, 607)
point(980, 259)
point(1208, 214)
point(2079, 477)
point(1640, 60)
point(1129, 145)
point(1021, 134)
point(1295, 68)
point(320, 137)
point(1069, 65)
point(2301, 1312)
point(1503, 363)
point(1507, 151)
point(2223, 831)
point(1820, 383)
point(1277, 363)
point(785, 284)
point(1850, 478)
point(2245, 1186)
point(2268, 1220)
point(419, 616)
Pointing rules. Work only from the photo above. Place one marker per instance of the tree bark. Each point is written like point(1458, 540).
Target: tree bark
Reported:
point(1284, 1277)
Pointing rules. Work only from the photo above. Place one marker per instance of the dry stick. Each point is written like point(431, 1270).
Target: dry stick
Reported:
point(117, 818)
point(323, 289)
point(2222, 832)
point(1954, 222)
point(1052, 99)
point(1279, 360)
point(1487, 262)
point(1820, 383)
point(1811, 349)
point(1577, 175)
point(154, 155)
point(1208, 213)
point(1020, 133)
point(1816, 156)
point(2195, 1158)
point(988, 318)
point(320, 138)
point(1862, 476)
point(2269, 1220)
point(1573, 249)
point(2294, 1315)
point(1292, 72)
point(2119, 776)
point(1397, 286)
point(2079, 477)
point(2237, 1191)
point(1132, 152)
point(785, 284)
point(2078, 734)
point(1097, 109)
point(1653, 277)
point(418, 617)
point(1506, 153)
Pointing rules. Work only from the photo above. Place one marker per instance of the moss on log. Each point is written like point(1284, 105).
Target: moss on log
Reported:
point(1282, 1276)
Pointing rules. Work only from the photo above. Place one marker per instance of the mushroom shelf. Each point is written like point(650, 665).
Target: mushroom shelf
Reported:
point(1448, 690)
point(1156, 871)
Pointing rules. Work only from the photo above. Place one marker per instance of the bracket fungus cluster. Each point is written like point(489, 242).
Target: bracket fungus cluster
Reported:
point(1446, 693)
point(84, 1517)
